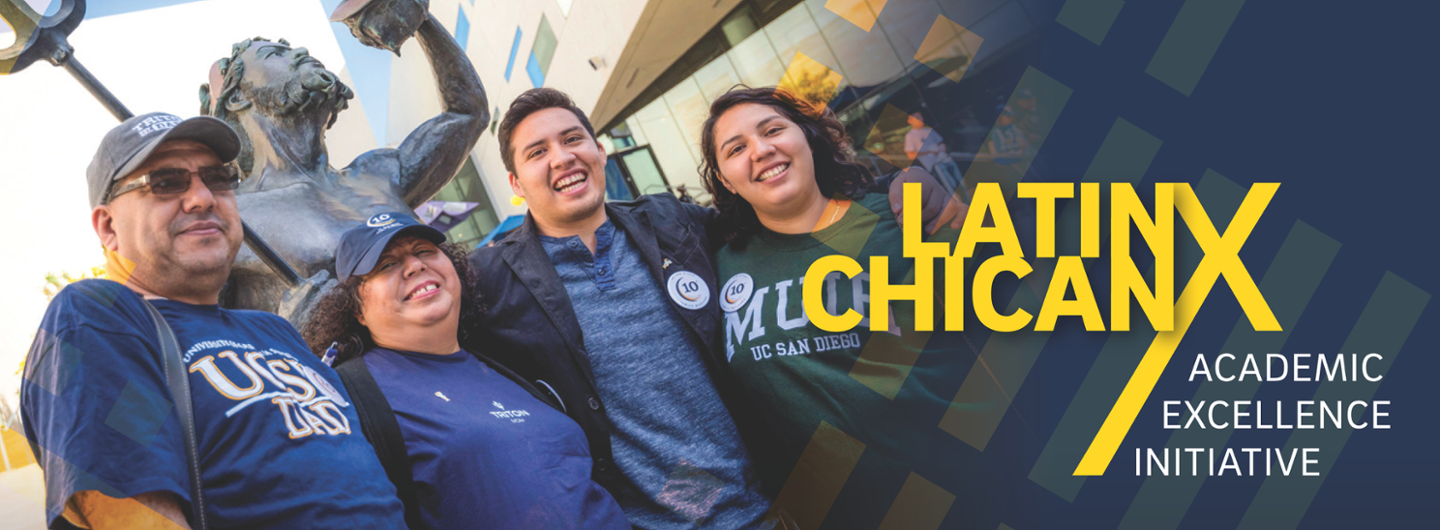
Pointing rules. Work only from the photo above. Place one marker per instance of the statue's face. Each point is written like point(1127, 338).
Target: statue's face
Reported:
point(272, 63)
point(287, 82)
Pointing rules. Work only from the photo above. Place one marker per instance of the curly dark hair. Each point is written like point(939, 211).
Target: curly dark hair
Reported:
point(334, 318)
point(836, 170)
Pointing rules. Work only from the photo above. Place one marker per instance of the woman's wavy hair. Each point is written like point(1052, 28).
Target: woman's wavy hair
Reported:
point(335, 318)
point(836, 170)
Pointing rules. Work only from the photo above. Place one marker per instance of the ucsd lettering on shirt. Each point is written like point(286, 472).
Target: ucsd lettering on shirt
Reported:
point(279, 441)
point(885, 390)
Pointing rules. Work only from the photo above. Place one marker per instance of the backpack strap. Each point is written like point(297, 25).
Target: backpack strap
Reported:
point(378, 423)
point(546, 395)
point(178, 379)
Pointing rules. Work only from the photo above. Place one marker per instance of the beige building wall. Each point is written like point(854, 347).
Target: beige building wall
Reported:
point(653, 32)
point(591, 28)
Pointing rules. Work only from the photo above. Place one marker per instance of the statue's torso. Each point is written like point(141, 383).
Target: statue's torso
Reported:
point(303, 223)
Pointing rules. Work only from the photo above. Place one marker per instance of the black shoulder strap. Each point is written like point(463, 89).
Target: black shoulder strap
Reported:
point(178, 379)
point(378, 423)
point(547, 395)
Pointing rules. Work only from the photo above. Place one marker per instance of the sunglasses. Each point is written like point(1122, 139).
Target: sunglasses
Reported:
point(171, 181)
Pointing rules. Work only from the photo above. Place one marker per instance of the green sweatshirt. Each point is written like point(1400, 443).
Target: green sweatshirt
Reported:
point(844, 395)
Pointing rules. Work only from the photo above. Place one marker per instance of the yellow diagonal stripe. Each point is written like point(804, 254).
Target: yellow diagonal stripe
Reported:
point(862, 13)
point(887, 137)
point(14, 449)
point(23, 22)
point(948, 48)
point(810, 81)
point(818, 476)
point(921, 505)
point(1122, 415)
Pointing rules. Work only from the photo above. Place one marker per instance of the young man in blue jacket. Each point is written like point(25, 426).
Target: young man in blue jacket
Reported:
point(613, 306)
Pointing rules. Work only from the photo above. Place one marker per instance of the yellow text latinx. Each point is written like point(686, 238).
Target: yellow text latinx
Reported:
point(1157, 230)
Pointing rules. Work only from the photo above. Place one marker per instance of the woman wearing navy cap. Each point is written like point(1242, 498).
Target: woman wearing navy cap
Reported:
point(485, 448)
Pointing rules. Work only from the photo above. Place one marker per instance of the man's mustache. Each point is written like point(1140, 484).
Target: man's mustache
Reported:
point(186, 223)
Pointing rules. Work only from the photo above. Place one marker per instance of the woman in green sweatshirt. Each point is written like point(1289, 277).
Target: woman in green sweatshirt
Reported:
point(857, 412)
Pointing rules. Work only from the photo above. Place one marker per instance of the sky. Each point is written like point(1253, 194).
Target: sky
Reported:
point(153, 55)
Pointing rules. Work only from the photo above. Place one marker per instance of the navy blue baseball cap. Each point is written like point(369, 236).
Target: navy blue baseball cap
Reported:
point(361, 247)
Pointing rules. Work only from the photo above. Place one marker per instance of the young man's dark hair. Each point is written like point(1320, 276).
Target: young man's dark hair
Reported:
point(530, 102)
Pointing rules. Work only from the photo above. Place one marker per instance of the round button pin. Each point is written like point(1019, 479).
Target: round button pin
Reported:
point(688, 290)
point(736, 292)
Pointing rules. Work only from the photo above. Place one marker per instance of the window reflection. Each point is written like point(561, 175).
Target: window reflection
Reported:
point(689, 109)
point(755, 61)
point(908, 93)
point(716, 78)
point(675, 157)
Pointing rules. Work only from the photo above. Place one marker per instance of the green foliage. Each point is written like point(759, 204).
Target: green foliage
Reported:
point(814, 87)
point(53, 283)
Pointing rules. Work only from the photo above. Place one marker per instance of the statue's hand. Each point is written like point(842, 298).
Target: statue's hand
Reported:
point(297, 303)
point(384, 24)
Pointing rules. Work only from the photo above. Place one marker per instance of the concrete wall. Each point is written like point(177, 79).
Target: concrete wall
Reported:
point(591, 28)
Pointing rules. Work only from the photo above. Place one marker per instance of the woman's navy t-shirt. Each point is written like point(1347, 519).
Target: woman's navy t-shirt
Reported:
point(484, 452)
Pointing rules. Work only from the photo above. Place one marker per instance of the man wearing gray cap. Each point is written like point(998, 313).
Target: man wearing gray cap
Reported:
point(272, 444)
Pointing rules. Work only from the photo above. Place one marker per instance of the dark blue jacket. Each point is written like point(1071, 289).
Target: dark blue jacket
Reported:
point(530, 325)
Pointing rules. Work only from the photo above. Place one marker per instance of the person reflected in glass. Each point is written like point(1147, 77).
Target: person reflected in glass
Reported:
point(922, 143)
point(1008, 143)
point(948, 173)
point(927, 148)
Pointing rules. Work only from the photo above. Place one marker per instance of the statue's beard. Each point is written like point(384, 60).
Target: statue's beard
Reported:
point(309, 93)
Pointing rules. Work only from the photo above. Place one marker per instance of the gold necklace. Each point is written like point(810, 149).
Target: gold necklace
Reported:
point(838, 206)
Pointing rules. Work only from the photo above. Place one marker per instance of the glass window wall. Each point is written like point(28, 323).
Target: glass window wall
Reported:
point(882, 86)
point(755, 62)
point(468, 187)
point(675, 157)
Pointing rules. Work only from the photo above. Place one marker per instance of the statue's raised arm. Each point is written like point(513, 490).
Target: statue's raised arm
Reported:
point(281, 101)
point(428, 157)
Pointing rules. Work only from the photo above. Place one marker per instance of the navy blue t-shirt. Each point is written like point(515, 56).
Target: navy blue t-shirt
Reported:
point(279, 442)
point(484, 452)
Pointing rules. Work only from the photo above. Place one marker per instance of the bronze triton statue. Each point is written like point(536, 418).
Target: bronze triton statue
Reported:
point(280, 100)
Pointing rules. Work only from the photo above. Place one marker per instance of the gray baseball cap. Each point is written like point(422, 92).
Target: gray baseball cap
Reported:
point(127, 146)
